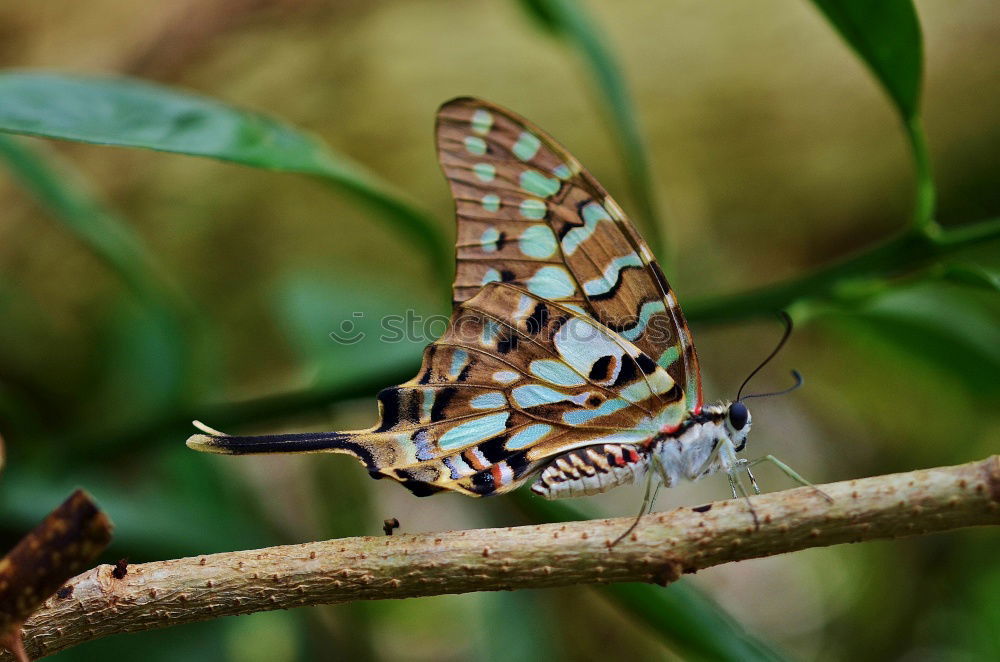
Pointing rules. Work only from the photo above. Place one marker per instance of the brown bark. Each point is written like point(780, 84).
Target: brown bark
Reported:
point(663, 547)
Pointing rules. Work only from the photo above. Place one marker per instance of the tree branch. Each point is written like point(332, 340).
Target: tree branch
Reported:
point(663, 547)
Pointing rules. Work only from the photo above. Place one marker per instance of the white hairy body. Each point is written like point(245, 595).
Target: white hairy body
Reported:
point(705, 445)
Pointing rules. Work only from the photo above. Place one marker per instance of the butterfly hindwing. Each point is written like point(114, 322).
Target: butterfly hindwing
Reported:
point(515, 381)
point(529, 214)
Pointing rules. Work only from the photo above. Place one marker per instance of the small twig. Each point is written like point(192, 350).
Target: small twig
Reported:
point(660, 550)
point(67, 540)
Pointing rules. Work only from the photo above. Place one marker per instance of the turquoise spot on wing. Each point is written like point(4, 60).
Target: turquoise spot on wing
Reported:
point(491, 330)
point(472, 432)
point(526, 146)
point(582, 416)
point(562, 171)
point(556, 372)
point(592, 213)
point(551, 283)
point(427, 404)
point(528, 436)
point(482, 120)
point(458, 361)
point(535, 182)
point(484, 171)
point(538, 241)
point(491, 400)
point(491, 276)
point(475, 145)
point(595, 212)
point(533, 395)
point(668, 356)
point(505, 376)
point(533, 208)
point(648, 310)
point(489, 239)
point(657, 383)
point(607, 281)
point(491, 202)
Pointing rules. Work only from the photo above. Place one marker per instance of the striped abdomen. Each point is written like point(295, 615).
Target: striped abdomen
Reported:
point(591, 470)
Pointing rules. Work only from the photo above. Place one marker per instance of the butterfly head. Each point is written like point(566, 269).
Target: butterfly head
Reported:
point(738, 421)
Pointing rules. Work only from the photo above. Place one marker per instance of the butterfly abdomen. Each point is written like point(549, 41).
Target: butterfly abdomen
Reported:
point(591, 470)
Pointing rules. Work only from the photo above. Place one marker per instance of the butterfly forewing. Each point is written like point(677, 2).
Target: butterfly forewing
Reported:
point(530, 215)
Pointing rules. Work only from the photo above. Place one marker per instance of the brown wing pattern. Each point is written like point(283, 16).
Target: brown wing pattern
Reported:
point(515, 381)
point(530, 215)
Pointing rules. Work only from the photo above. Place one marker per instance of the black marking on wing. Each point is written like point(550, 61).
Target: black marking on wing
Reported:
point(494, 450)
point(391, 408)
point(538, 319)
point(646, 364)
point(441, 400)
point(627, 372)
point(601, 369)
point(507, 344)
point(613, 290)
point(482, 482)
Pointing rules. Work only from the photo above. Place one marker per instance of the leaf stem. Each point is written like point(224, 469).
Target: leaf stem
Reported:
point(925, 199)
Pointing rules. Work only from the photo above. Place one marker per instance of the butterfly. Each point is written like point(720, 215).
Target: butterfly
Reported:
point(567, 359)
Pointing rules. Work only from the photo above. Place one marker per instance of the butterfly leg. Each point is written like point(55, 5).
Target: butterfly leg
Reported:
point(647, 505)
point(753, 481)
point(740, 491)
point(788, 471)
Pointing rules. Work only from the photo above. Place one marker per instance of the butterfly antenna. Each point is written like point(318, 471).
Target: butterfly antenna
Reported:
point(774, 352)
point(798, 382)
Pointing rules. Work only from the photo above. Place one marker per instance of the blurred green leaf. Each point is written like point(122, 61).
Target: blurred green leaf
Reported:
point(541, 12)
point(345, 332)
point(139, 369)
point(567, 19)
point(132, 113)
point(64, 193)
point(971, 274)
point(687, 621)
point(886, 36)
point(181, 505)
point(954, 329)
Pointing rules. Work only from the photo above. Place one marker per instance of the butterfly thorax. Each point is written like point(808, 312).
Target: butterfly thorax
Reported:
point(705, 443)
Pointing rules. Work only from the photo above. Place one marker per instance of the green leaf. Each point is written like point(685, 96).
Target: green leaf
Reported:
point(972, 274)
point(687, 621)
point(886, 36)
point(565, 18)
point(64, 193)
point(131, 113)
point(346, 333)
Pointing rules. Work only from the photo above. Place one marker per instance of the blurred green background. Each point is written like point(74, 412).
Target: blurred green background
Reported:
point(139, 290)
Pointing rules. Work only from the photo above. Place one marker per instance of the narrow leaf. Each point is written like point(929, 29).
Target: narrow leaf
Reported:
point(131, 113)
point(65, 194)
point(886, 36)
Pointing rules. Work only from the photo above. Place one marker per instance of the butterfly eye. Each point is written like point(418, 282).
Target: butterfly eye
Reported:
point(738, 415)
